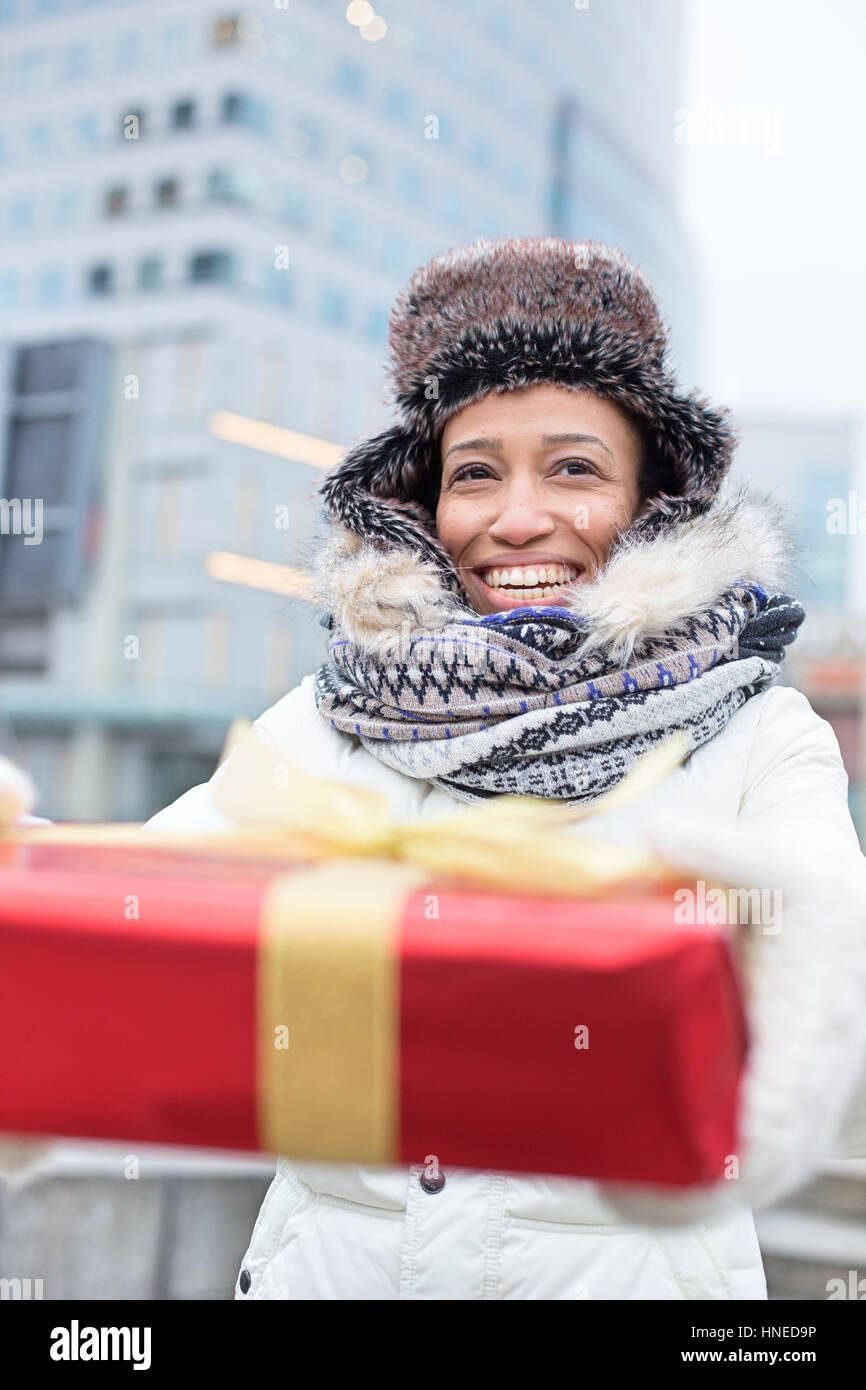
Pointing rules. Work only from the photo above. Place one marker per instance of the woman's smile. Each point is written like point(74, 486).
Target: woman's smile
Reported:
point(518, 581)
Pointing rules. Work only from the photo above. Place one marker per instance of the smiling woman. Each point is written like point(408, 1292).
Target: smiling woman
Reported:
point(529, 580)
point(535, 486)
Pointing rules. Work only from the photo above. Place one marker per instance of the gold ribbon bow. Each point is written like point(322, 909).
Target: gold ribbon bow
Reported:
point(521, 843)
point(509, 843)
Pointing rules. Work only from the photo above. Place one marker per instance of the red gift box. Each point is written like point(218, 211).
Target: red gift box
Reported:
point(145, 995)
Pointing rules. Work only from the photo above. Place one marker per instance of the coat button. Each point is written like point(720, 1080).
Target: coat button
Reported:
point(245, 1280)
point(433, 1184)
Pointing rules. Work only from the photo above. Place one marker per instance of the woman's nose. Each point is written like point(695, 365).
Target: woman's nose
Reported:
point(521, 516)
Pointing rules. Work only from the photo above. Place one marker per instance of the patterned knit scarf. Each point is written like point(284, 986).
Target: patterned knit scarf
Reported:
point(506, 703)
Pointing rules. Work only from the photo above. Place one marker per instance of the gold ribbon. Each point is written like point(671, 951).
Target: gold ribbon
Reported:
point(517, 843)
point(328, 1011)
point(510, 843)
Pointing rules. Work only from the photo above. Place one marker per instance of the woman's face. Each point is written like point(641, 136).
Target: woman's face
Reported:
point(535, 484)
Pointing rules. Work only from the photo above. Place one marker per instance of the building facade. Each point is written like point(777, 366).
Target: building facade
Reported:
point(205, 214)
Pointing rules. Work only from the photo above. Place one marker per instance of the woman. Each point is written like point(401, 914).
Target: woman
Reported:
point(531, 579)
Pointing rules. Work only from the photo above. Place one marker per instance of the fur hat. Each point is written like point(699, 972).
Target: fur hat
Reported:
point(498, 315)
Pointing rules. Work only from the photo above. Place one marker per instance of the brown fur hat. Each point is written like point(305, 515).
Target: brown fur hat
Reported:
point(498, 315)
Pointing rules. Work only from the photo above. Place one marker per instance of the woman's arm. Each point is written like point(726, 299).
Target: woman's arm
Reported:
point(804, 974)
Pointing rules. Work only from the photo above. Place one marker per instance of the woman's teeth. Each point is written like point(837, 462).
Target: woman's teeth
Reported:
point(530, 581)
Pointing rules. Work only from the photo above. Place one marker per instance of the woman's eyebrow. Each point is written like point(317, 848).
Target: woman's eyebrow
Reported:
point(496, 444)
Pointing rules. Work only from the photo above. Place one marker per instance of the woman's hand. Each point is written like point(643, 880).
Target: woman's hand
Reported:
point(803, 970)
point(17, 793)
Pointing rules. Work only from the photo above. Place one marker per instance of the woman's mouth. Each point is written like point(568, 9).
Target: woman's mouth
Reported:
point(518, 585)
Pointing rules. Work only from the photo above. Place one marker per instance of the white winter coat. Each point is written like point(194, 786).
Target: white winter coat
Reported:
point(338, 1231)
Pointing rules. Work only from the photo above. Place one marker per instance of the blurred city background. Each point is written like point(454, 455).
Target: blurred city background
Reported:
point(205, 214)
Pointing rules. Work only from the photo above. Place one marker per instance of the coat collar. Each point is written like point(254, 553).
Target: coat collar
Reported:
point(648, 586)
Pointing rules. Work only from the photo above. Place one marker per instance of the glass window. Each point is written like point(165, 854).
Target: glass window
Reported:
point(350, 79)
point(239, 108)
point(278, 285)
point(39, 138)
point(174, 43)
point(220, 185)
point(409, 184)
point(398, 104)
point(346, 229)
point(85, 133)
point(376, 324)
point(150, 273)
point(77, 62)
point(52, 283)
point(166, 193)
point(294, 207)
point(480, 153)
point(68, 207)
point(393, 251)
point(100, 279)
point(449, 204)
point(211, 265)
point(21, 215)
point(127, 52)
point(183, 115)
point(8, 291)
point(115, 202)
point(332, 305)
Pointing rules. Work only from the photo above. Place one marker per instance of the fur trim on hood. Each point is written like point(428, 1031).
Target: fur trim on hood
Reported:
point(649, 584)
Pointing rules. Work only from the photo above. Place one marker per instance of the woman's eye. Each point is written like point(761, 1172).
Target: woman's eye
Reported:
point(470, 468)
point(576, 463)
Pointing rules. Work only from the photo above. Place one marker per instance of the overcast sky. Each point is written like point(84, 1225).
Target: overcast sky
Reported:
point(777, 208)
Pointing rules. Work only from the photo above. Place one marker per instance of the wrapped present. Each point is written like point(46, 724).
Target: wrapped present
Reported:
point(487, 989)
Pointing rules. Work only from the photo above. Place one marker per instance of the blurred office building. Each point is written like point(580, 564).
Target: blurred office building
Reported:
point(815, 467)
point(205, 216)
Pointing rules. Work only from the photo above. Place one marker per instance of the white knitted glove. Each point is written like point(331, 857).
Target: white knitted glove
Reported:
point(17, 793)
point(804, 982)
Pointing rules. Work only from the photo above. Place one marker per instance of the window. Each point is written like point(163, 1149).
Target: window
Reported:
point(68, 208)
point(39, 138)
point(52, 467)
point(24, 643)
point(51, 286)
point(21, 215)
point(397, 104)
point(77, 63)
point(167, 193)
point(294, 208)
point(238, 108)
point(217, 645)
point(189, 376)
point(350, 79)
point(210, 266)
point(346, 229)
point(115, 202)
point(332, 305)
point(100, 279)
point(8, 291)
point(224, 31)
point(376, 325)
point(221, 186)
point(126, 52)
point(183, 115)
point(278, 284)
point(409, 183)
point(168, 514)
point(150, 273)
